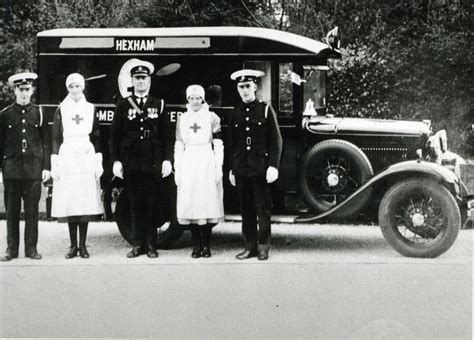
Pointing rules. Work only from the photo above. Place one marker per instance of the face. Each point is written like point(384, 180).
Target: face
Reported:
point(75, 91)
point(141, 83)
point(247, 91)
point(195, 102)
point(23, 94)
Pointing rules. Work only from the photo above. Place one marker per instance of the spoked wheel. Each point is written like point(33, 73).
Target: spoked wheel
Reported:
point(168, 230)
point(331, 171)
point(419, 218)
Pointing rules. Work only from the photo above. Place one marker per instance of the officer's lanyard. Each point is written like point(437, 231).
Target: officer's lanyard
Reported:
point(130, 100)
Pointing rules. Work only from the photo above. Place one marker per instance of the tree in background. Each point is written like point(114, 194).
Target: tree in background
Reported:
point(402, 59)
point(22, 20)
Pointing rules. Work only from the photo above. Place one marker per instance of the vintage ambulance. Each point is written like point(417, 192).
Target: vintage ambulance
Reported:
point(331, 167)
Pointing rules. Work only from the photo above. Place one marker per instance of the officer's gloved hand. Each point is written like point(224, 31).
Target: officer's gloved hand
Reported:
point(117, 169)
point(55, 167)
point(231, 178)
point(166, 168)
point(272, 174)
point(99, 170)
point(45, 175)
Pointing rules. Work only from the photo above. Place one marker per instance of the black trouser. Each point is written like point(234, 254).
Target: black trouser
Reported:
point(30, 191)
point(143, 189)
point(255, 201)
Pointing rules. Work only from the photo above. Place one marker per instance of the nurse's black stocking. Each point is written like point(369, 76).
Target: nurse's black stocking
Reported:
point(73, 234)
point(195, 235)
point(206, 232)
point(82, 234)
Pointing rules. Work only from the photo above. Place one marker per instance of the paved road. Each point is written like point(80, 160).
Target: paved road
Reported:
point(321, 281)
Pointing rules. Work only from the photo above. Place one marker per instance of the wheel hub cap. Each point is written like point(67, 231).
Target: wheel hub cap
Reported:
point(333, 180)
point(418, 220)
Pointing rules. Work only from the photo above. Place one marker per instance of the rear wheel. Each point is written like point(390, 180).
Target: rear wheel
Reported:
point(330, 172)
point(419, 218)
point(169, 231)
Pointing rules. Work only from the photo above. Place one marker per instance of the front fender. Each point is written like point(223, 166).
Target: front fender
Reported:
point(410, 168)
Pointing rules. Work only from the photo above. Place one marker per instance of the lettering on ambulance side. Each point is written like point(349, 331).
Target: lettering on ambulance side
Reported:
point(174, 115)
point(135, 44)
point(107, 115)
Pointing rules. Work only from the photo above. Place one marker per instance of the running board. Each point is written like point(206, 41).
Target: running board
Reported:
point(276, 218)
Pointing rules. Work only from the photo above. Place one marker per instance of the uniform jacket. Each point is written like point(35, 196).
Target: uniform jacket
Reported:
point(24, 142)
point(142, 141)
point(255, 141)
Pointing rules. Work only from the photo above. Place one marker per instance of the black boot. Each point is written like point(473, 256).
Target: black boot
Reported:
point(196, 237)
point(82, 240)
point(206, 233)
point(73, 250)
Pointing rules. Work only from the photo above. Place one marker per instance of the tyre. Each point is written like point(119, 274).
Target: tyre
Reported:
point(419, 218)
point(330, 172)
point(169, 231)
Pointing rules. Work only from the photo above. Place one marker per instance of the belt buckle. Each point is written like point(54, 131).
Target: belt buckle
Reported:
point(146, 134)
point(249, 141)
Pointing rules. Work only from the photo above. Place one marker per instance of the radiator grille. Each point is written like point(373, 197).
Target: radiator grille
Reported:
point(382, 157)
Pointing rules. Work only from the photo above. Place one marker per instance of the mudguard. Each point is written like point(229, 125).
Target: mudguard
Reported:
point(427, 169)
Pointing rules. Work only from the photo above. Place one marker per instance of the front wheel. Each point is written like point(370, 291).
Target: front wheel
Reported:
point(419, 218)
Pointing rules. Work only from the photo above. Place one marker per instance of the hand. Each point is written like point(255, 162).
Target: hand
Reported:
point(99, 170)
point(231, 178)
point(45, 175)
point(117, 169)
point(166, 168)
point(218, 173)
point(272, 174)
point(176, 176)
point(55, 167)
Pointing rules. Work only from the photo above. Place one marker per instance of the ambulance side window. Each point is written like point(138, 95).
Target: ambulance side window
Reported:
point(285, 89)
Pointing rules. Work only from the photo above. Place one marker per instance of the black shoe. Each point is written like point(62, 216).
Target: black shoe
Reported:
point(196, 252)
point(72, 252)
point(34, 256)
point(206, 252)
point(8, 257)
point(151, 252)
point(83, 252)
point(263, 255)
point(135, 252)
point(246, 254)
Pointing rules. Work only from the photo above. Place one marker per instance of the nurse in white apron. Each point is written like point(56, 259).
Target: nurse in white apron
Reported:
point(199, 154)
point(76, 165)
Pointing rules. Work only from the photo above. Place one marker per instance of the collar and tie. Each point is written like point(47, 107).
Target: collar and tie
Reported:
point(141, 101)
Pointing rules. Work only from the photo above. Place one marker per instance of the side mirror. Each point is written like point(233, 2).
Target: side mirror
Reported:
point(333, 38)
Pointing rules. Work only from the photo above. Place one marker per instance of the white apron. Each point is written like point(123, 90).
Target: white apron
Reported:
point(200, 198)
point(77, 192)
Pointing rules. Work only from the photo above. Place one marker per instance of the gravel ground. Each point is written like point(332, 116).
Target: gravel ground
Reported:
point(291, 243)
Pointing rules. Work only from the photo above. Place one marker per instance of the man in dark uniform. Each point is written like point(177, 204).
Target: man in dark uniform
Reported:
point(25, 154)
point(255, 145)
point(142, 144)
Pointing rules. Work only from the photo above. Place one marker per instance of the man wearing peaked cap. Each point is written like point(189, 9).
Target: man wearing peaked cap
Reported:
point(254, 149)
point(142, 145)
point(25, 155)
